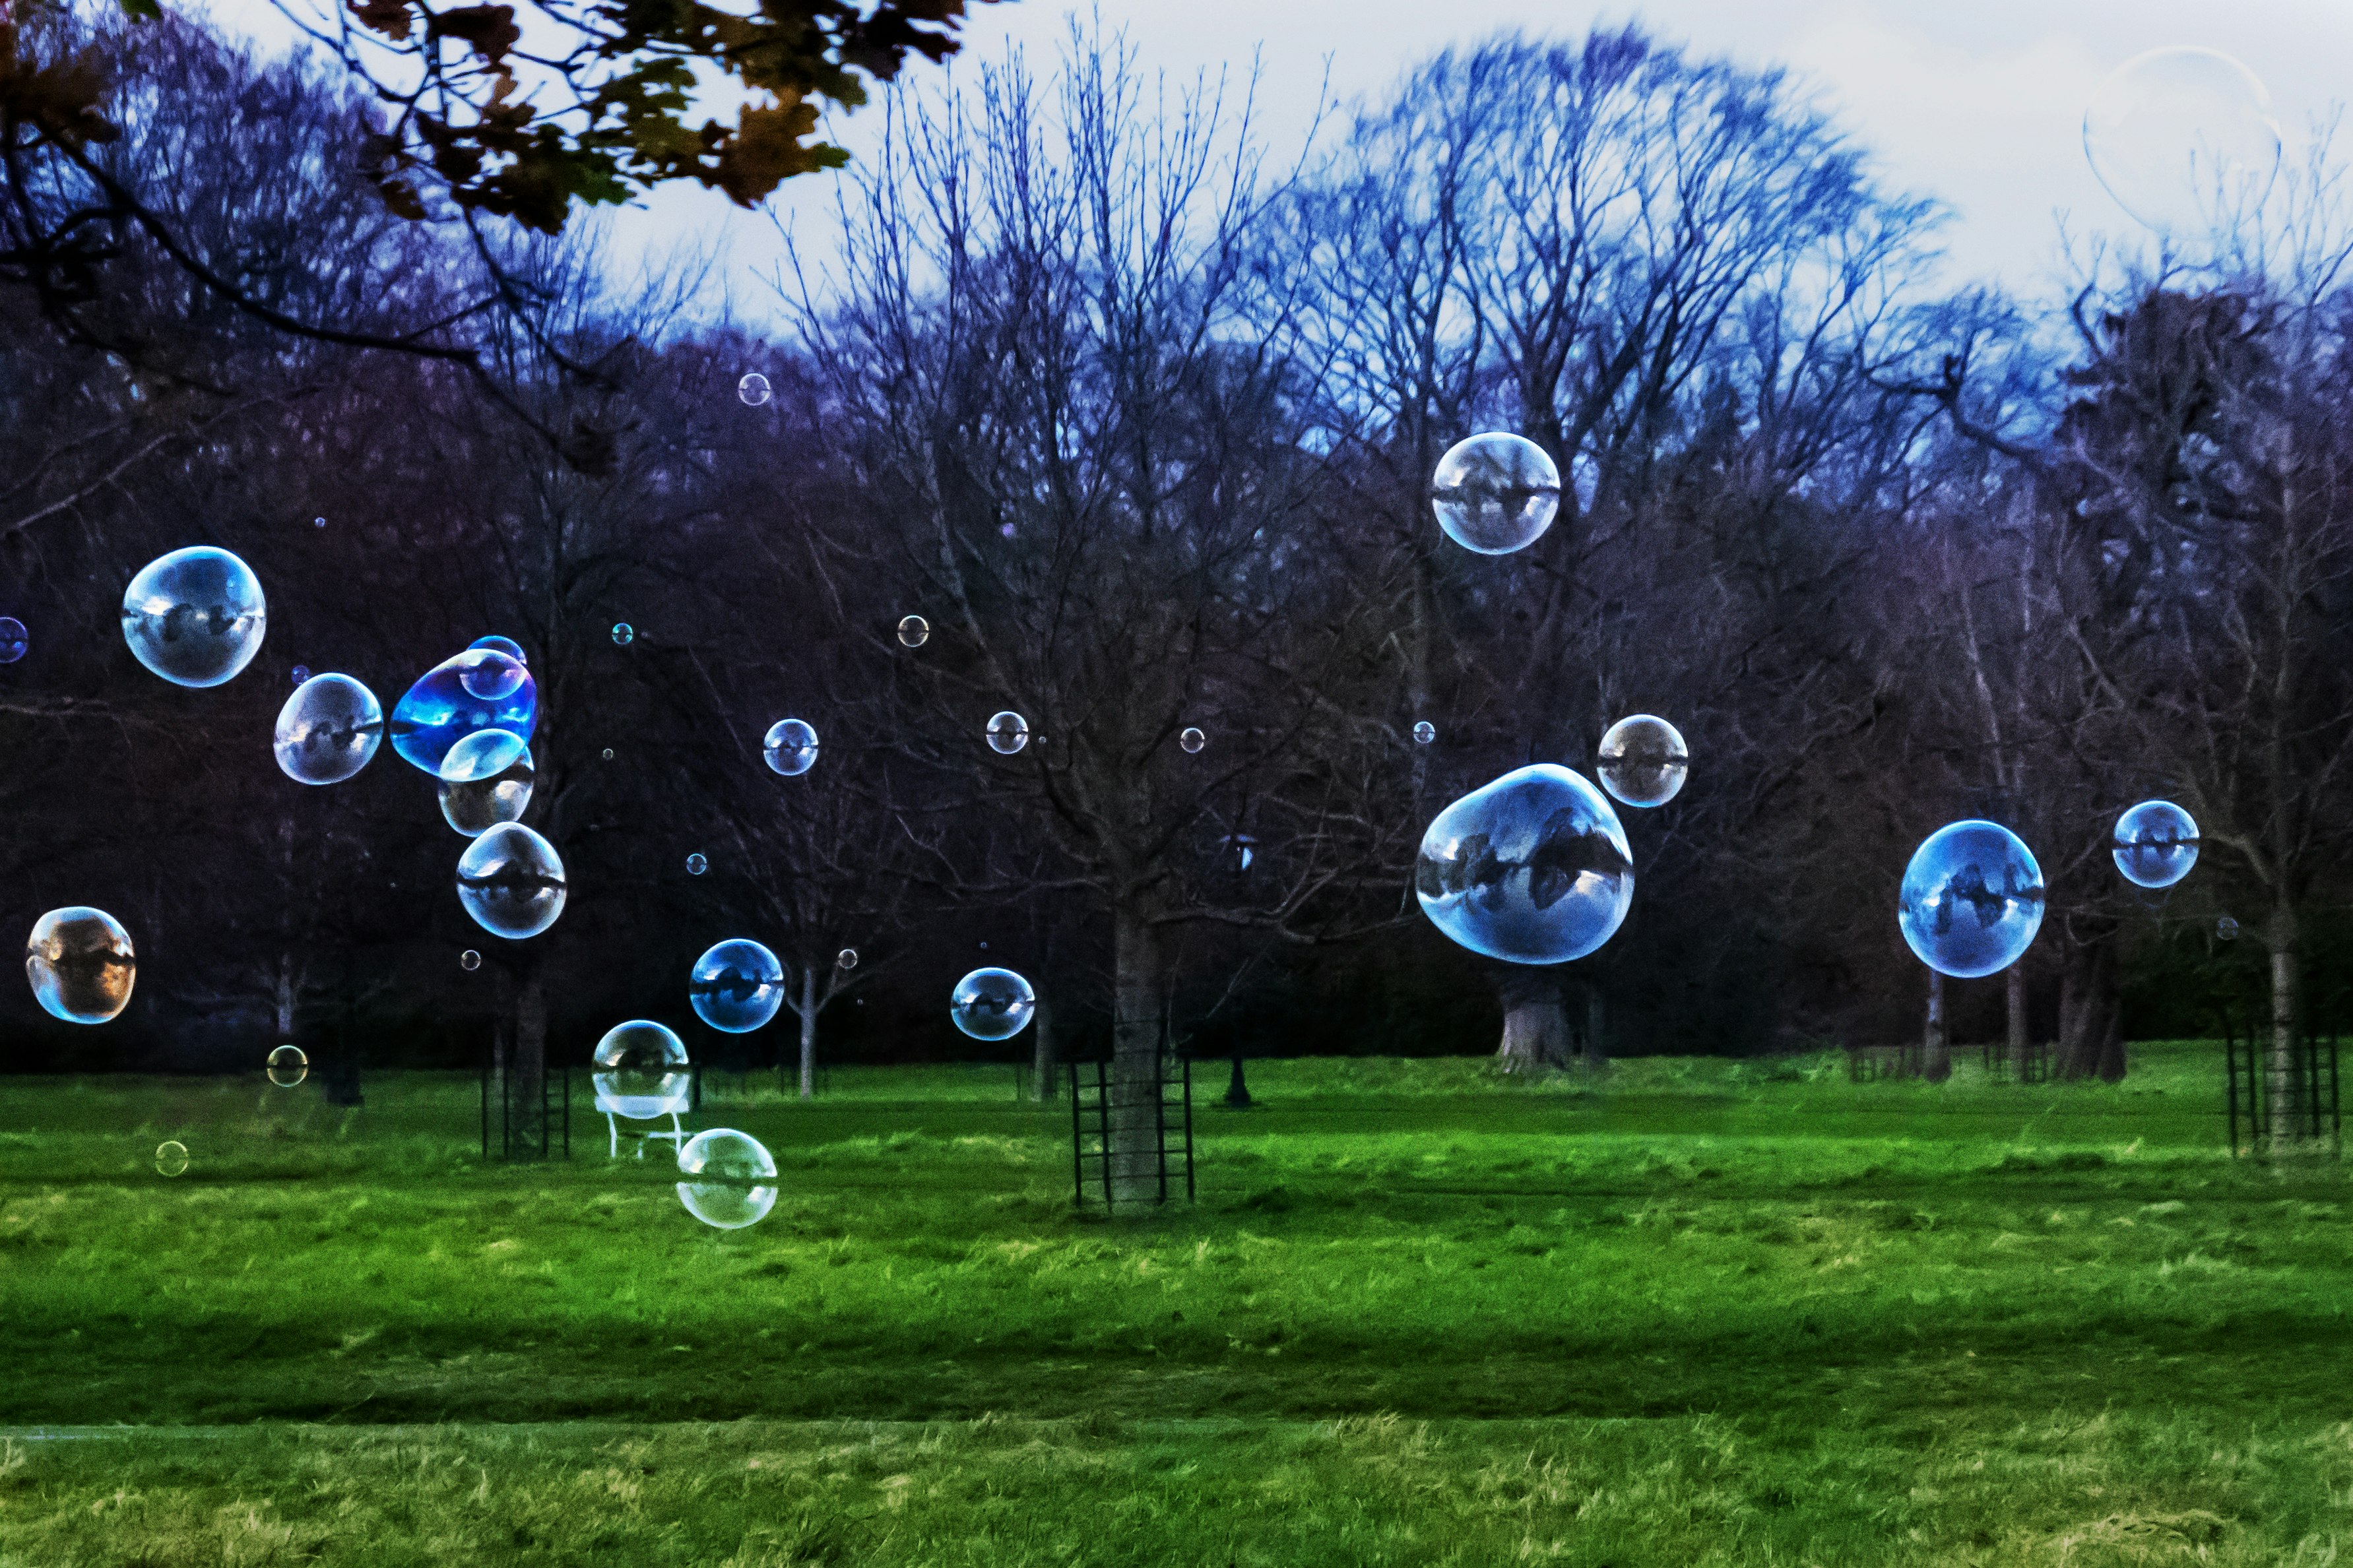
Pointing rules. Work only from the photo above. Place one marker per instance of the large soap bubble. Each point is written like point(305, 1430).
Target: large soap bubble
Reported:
point(642, 1057)
point(486, 779)
point(1007, 733)
point(511, 881)
point(1642, 761)
point(737, 986)
point(1495, 493)
point(731, 1178)
point(81, 964)
point(328, 730)
point(992, 1004)
point(2184, 139)
point(14, 639)
point(1531, 868)
point(2155, 844)
point(790, 747)
point(442, 709)
point(1972, 899)
point(195, 616)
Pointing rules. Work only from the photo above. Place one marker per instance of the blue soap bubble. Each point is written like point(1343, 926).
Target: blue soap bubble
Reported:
point(696, 865)
point(13, 641)
point(2155, 844)
point(506, 645)
point(1495, 493)
point(790, 747)
point(753, 389)
point(439, 710)
point(486, 779)
point(511, 881)
point(81, 964)
point(1424, 733)
point(328, 730)
point(731, 1178)
point(737, 986)
point(992, 1004)
point(300, 673)
point(624, 634)
point(1972, 899)
point(1531, 868)
point(195, 616)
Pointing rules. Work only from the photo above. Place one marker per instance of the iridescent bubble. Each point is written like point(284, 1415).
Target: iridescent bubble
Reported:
point(790, 747)
point(288, 1066)
point(624, 634)
point(1495, 493)
point(992, 1004)
point(318, 522)
point(2184, 139)
point(1424, 733)
point(608, 754)
point(915, 631)
point(328, 730)
point(195, 616)
point(696, 865)
point(2155, 844)
point(641, 1055)
point(846, 959)
point(439, 710)
point(1192, 740)
point(486, 779)
point(301, 672)
point(2227, 929)
point(1531, 868)
point(729, 1178)
point(14, 639)
point(470, 961)
point(1971, 900)
point(506, 645)
point(737, 986)
point(753, 389)
point(1642, 761)
point(1008, 733)
point(511, 881)
point(171, 1157)
point(81, 964)
point(488, 675)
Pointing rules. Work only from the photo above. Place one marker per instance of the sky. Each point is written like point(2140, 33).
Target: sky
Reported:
point(1977, 102)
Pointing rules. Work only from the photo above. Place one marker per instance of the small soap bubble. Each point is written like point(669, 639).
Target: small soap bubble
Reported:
point(318, 522)
point(696, 865)
point(81, 964)
point(506, 645)
point(512, 883)
point(470, 961)
point(301, 672)
point(288, 1066)
point(328, 730)
point(1531, 868)
point(754, 390)
point(171, 1158)
point(1424, 733)
point(846, 959)
point(1192, 740)
point(2155, 844)
point(790, 747)
point(736, 987)
point(195, 616)
point(1495, 493)
point(2227, 929)
point(608, 754)
point(915, 631)
point(1971, 900)
point(13, 641)
point(1007, 733)
point(1642, 761)
point(729, 1178)
point(992, 1004)
point(489, 674)
point(624, 634)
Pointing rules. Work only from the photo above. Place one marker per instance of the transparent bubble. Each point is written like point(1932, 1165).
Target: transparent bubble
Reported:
point(2184, 139)
point(288, 1066)
point(171, 1158)
point(2227, 929)
point(438, 711)
point(992, 1004)
point(1008, 733)
point(731, 1179)
point(318, 522)
point(1531, 868)
point(737, 986)
point(915, 631)
point(1642, 761)
point(624, 634)
point(301, 672)
point(1972, 899)
point(696, 865)
point(670, 1094)
point(608, 754)
point(488, 675)
point(754, 390)
point(506, 645)
point(1424, 733)
point(511, 881)
point(846, 958)
point(470, 961)
point(81, 964)
point(486, 779)
point(1495, 493)
point(14, 639)
point(790, 747)
point(2155, 844)
point(641, 1055)
point(195, 616)
point(1192, 740)
point(328, 730)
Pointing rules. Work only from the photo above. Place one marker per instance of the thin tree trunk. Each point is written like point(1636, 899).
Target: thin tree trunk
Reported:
point(528, 1061)
point(2090, 1012)
point(1535, 1024)
point(2281, 1090)
point(1135, 1057)
point(1597, 1046)
point(1937, 1047)
point(1042, 1064)
point(808, 1031)
point(2014, 994)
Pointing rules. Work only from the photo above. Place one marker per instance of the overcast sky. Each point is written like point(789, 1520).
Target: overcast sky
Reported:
point(1979, 102)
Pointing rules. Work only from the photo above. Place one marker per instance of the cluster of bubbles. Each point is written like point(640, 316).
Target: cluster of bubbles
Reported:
point(480, 689)
point(992, 1004)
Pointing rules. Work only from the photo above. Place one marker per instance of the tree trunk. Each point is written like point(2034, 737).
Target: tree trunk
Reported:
point(2282, 1092)
point(1043, 1063)
point(1134, 1118)
point(1535, 1024)
point(2014, 994)
point(1935, 1046)
point(2090, 1012)
point(528, 1061)
point(1597, 1047)
point(808, 1031)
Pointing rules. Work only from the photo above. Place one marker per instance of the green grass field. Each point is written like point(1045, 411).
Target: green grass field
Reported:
point(1692, 1313)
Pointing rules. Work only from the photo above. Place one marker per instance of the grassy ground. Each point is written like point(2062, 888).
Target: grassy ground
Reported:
point(1693, 1313)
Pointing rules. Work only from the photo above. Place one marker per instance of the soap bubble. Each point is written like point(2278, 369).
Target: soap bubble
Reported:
point(318, 522)
point(696, 865)
point(328, 730)
point(195, 616)
point(489, 675)
point(608, 754)
point(511, 881)
point(2184, 139)
point(81, 964)
point(846, 958)
point(1531, 868)
point(641, 1055)
point(1424, 733)
point(300, 673)
point(915, 631)
point(439, 710)
point(1495, 493)
point(992, 1004)
point(486, 779)
point(470, 961)
point(2155, 844)
point(1007, 733)
point(288, 1066)
point(737, 986)
point(1972, 899)
point(171, 1157)
point(731, 1178)
point(790, 747)
point(13, 639)
point(2227, 929)
point(624, 634)
point(1642, 761)
point(1192, 740)
point(506, 645)
point(753, 389)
